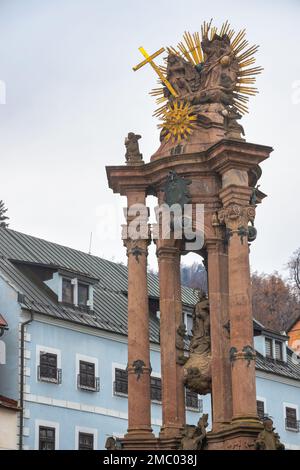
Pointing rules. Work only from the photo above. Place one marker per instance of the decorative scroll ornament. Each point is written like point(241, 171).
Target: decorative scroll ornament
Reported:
point(138, 366)
point(247, 353)
point(135, 248)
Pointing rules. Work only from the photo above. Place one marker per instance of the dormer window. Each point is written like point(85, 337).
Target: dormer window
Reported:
point(269, 347)
point(76, 292)
point(278, 351)
point(83, 294)
point(67, 291)
point(274, 349)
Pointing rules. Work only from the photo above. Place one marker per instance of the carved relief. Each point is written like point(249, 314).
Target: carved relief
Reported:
point(197, 370)
point(237, 218)
point(180, 334)
point(194, 437)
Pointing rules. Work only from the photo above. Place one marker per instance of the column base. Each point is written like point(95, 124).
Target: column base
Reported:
point(240, 434)
point(155, 443)
point(170, 432)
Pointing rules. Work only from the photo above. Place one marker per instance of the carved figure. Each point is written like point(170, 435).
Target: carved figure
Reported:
point(197, 370)
point(194, 437)
point(132, 148)
point(110, 443)
point(268, 439)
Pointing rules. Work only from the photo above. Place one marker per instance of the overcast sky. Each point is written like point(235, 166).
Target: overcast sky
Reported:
point(71, 97)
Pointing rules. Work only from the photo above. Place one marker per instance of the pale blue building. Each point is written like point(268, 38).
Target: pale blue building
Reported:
point(66, 349)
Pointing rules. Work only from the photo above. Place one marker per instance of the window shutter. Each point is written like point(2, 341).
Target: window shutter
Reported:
point(278, 350)
point(291, 418)
point(268, 343)
point(260, 409)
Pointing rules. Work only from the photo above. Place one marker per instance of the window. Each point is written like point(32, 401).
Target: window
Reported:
point(46, 438)
point(86, 377)
point(83, 294)
point(278, 350)
point(85, 441)
point(121, 382)
point(291, 422)
point(47, 370)
point(269, 347)
point(67, 291)
point(260, 405)
point(192, 400)
point(155, 388)
point(189, 324)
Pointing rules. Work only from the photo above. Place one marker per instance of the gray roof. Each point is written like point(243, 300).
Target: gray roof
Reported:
point(110, 301)
point(290, 369)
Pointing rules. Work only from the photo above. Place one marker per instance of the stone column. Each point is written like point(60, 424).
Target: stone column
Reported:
point(219, 328)
point(173, 399)
point(139, 368)
point(236, 214)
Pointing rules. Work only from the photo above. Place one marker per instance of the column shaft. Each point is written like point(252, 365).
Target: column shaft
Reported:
point(220, 342)
point(173, 412)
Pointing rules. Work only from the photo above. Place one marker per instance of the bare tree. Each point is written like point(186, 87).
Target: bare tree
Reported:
point(3, 217)
point(294, 267)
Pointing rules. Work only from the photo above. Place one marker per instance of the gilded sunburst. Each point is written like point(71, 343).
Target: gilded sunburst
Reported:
point(177, 120)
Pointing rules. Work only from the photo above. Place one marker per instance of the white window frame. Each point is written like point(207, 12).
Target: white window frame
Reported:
point(295, 407)
point(156, 375)
point(85, 430)
point(83, 357)
point(264, 400)
point(47, 349)
point(114, 366)
point(48, 424)
point(75, 281)
point(2, 352)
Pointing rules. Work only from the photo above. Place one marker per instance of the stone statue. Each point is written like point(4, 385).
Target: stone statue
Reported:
point(133, 154)
point(179, 343)
point(181, 74)
point(194, 437)
point(268, 439)
point(208, 87)
point(197, 370)
point(110, 443)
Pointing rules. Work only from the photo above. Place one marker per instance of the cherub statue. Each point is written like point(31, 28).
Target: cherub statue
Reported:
point(132, 148)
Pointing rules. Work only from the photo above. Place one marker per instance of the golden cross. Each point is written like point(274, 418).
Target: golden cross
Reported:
point(149, 60)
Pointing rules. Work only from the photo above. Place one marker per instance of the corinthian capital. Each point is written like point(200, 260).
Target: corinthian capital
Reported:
point(236, 216)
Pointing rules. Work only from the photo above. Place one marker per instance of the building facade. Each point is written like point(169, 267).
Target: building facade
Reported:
point(67, 350)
